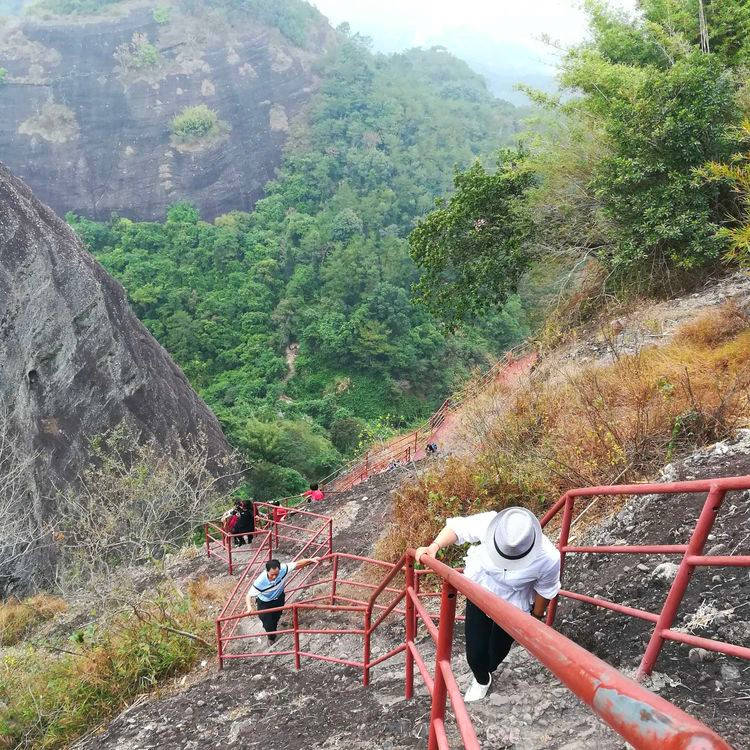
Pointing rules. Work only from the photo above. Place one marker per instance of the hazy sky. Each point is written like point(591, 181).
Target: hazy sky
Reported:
point(498, 37)
point(422, 20)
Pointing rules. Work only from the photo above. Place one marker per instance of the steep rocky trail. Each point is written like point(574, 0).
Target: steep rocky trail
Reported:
point(268, 704)
point(271, 706)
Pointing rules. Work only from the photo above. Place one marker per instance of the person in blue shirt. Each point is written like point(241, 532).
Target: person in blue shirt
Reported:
point(268, 590)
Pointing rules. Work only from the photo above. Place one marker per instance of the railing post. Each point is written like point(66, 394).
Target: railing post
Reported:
point(335, 576)
point(410, 627)
point(684, 572)
point(444, 647)
point(229, 552)
point(208, 543)
point(219, 649)
point(562, 543)
point(366, 650)
point(330, 536)
point(295, 621)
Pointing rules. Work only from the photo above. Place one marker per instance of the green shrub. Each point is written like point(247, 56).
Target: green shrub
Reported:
point(161, 14)
point(3, 75)
point(47, 701)
point(267, 481)
point(346, 434)
point(147, 56)
point(194, 123)
point(138, 54)
point(72, 7)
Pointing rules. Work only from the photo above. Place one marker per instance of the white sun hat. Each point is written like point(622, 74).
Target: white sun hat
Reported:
point(513, 538)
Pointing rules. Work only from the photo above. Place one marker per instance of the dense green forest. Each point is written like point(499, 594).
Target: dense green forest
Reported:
point(640, 171)
point(321, 269)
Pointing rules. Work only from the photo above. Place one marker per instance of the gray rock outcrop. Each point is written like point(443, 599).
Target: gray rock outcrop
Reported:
point(74, 359)
point(87, 106)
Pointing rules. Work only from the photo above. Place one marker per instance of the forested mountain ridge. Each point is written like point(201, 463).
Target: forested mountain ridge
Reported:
point(321, 270)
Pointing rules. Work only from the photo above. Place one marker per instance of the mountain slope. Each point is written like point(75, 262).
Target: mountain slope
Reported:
point(88, 104)
point(322, 267)
point(74, 360)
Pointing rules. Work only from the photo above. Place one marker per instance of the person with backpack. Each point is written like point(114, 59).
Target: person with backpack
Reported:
point(268, 590)
point(228, 520)
point(245, 524)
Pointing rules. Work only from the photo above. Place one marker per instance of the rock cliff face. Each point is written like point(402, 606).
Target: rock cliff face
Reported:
point(87, 106)
point(74, 359)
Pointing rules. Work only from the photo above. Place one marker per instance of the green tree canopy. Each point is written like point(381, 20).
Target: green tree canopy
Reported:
point(474, 247)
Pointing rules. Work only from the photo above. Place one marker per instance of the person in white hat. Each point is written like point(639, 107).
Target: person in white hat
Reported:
point(513, 559)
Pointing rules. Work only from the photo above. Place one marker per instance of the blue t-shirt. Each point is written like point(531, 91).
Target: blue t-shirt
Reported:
point(267, 590)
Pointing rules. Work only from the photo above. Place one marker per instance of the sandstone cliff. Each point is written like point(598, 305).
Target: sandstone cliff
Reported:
point(87, 106)
point(74, 359)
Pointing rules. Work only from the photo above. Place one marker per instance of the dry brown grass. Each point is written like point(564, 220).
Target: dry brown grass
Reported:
point(17, 618)
point(203, 590)
point(604, 425)
point(49, 698)
point(714, 326)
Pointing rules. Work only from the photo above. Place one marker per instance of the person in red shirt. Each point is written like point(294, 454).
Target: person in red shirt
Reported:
point(314, 493)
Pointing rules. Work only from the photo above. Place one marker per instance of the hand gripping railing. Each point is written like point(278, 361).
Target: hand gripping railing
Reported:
point(642, 718)
point(692, 556)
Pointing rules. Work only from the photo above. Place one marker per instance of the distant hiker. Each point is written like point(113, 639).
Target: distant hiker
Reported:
point(314, 493)
point(245, 523)
point(513, 559)
point(268, 588)
point(431, 449)
point(229, 519)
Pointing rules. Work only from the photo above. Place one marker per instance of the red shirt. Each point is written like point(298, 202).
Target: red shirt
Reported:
point(314, 495)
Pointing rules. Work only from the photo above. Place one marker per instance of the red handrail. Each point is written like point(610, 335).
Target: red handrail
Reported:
point(378, 458)
point(691, 554)
point(644, 719)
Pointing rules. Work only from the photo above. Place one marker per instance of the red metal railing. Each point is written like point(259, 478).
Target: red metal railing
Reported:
point(220, 543)
point(642, 718)
point(645, 720)
point(332, 600)
point(269, 519)
point(411, 446)
point(691, 557)
point(311, 542)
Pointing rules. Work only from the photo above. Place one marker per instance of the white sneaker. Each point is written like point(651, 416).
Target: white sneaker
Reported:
point(477, 691)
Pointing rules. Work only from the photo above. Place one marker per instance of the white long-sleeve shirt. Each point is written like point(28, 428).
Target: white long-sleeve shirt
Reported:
point(541, 575)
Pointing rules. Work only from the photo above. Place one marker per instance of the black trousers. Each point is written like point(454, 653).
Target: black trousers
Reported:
point(270, 620)
point(487, 644)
